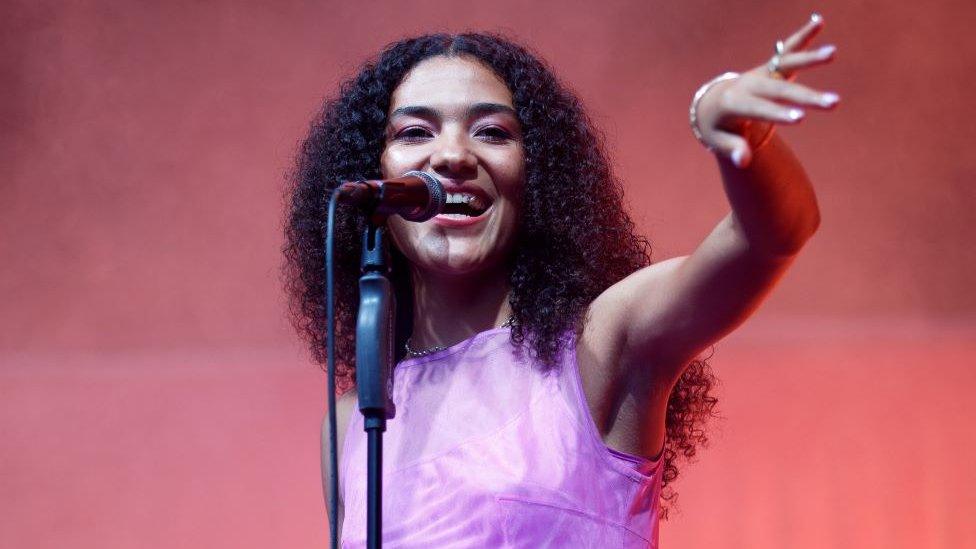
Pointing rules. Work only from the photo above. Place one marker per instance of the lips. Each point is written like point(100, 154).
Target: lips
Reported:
point(454, 220)
point(464, 221)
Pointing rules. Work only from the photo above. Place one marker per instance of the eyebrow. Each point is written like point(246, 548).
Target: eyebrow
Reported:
point(478, 109)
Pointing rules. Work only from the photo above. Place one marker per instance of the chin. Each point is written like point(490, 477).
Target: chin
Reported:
point(458, 264)
point(450, 251)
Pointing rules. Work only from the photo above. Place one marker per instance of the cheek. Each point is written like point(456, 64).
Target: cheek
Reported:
point(385, 164)
point(511, 184)
point(395, 162)
point(510, 159)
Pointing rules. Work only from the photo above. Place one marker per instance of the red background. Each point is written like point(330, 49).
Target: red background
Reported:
point(153, 395)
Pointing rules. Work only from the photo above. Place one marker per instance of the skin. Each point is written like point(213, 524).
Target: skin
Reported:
point(643, 331)
point(459, 273)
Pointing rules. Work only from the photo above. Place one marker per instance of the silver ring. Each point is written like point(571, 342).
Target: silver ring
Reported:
point(773, 65)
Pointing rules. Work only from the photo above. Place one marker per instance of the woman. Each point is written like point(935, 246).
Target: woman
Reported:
point(549, 375)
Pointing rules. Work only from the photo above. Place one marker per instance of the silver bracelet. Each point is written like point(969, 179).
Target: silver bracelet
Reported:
point(693, 110)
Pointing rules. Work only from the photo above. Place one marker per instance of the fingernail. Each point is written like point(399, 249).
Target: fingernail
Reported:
point(737, 155)
point(827, 50)
point(816, 17)
point(829, 98)
point(795, 114)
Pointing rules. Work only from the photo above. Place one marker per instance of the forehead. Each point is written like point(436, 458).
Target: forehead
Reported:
point(450, 81)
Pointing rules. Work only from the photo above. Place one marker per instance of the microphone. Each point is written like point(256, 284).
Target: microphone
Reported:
point(415, 196)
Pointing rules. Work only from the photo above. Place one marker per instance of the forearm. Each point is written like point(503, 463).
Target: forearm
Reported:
point(774, 207)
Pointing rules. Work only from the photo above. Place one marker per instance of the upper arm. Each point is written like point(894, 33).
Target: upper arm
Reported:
point(345, 406)
point(670, 311)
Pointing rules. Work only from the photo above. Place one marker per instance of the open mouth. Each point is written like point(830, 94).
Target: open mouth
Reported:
point(463, 204)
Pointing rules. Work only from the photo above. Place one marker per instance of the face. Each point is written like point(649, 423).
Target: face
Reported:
point(454, 118)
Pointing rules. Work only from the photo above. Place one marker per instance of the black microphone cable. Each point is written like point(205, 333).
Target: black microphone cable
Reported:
point(330, 374)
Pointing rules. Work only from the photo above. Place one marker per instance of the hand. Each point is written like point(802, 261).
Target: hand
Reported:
point(734, 115)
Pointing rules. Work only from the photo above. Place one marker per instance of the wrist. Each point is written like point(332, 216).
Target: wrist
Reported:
point(757, 134)
point(693, 109)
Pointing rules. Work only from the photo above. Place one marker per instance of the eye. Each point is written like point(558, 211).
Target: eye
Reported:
point(413, 133)
point(495, 134)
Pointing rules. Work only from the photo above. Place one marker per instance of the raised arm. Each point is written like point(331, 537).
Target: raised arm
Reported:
point(662, 316)
point(670, 311)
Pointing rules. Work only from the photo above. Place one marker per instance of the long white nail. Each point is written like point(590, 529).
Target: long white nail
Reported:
point(737, 157)
point(827, 50)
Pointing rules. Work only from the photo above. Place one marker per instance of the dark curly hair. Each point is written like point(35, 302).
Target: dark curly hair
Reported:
point(574, 237)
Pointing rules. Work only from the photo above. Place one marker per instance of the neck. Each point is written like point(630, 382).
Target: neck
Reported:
point(450, 309)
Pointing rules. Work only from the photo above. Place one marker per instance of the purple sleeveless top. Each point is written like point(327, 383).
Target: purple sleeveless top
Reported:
point(486, 450)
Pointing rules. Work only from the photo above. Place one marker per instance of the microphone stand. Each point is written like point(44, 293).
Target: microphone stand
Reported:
point(374, 359)
point(377, 309)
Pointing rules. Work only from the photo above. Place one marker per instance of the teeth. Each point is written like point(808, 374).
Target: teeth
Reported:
point(470, 199)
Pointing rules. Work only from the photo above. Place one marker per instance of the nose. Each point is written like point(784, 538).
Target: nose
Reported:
point(453, 157)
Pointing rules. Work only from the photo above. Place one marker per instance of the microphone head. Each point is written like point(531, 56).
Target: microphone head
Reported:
point(437, 197)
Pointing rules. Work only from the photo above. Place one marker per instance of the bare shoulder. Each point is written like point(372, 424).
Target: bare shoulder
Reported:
point(637, 287)
point(599, 348)
point(605, 331)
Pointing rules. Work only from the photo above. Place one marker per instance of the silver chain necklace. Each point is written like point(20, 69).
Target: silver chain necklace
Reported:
point(424, 352)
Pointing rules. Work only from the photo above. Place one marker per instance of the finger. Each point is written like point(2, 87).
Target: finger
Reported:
point(802, 37)
point(790, 92)
point(756, 107)
point(732, 146)
point(805, 59)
